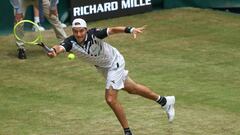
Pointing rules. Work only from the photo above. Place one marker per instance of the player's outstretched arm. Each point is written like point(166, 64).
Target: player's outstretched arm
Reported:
point(132, 30)
point(56, 50)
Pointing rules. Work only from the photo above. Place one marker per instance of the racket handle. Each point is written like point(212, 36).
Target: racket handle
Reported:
point(46, 48)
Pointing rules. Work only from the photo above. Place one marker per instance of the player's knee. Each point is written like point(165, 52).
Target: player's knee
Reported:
point(110, 100)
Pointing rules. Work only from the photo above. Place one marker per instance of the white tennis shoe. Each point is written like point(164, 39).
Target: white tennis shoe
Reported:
point(40, 28)
point(63, 25)
point(169, 107)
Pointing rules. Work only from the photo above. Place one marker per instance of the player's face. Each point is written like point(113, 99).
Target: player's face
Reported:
point(79, 34)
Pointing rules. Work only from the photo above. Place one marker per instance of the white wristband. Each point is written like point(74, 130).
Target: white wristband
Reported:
point(131, 31)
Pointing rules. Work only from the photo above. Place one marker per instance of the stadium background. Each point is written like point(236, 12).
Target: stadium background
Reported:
point(7, 17)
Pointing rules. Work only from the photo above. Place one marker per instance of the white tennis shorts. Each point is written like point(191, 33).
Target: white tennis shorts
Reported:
point(116, 75)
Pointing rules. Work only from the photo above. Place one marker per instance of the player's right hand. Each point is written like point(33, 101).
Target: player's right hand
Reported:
point(51, 54)
point(18, 17)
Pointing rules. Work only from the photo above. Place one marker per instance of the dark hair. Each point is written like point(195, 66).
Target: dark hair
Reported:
point(77, 23)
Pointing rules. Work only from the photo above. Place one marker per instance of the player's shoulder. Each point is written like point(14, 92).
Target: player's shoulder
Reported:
point(96, 30)
point(67, 43)
point(68, 40)
point(92, 30)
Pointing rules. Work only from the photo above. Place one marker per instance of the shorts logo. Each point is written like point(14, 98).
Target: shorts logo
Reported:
point(113, 81)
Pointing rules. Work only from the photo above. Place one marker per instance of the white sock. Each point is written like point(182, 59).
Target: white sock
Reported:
point(36, 19)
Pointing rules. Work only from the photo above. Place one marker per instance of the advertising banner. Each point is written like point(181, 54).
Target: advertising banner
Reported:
point(92, 10)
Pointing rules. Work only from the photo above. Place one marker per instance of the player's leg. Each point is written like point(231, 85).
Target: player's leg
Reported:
point(133, 88)
point(167, 103)
point(111, 99)
point(58, 29)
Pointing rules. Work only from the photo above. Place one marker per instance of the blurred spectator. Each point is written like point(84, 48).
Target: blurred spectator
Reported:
point(37, 19)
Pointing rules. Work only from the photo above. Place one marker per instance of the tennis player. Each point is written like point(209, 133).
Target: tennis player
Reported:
point(49, 11)
point(89, 45)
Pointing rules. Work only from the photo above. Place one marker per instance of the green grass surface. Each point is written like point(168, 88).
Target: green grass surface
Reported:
point(193, 54)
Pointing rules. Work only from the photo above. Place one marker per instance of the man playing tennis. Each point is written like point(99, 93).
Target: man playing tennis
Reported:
point(89, 45)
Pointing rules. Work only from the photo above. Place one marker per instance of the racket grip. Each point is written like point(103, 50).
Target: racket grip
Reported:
point(46, 48)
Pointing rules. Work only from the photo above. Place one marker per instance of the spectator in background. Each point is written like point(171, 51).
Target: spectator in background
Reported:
point(37, 19)
point(63, 24)
point(49, 11)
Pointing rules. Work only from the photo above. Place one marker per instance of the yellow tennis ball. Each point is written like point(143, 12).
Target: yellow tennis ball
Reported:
point(71, 56)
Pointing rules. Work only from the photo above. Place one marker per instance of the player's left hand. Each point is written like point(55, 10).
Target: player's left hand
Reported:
point(137, 31)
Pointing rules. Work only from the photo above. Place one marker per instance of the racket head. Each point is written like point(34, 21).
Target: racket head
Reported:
point(23, 31)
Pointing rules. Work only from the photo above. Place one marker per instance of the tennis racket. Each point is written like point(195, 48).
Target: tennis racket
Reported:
point(23, 31)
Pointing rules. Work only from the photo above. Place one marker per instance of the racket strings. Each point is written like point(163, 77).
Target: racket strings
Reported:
point(20, 31)
point(27, 32)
